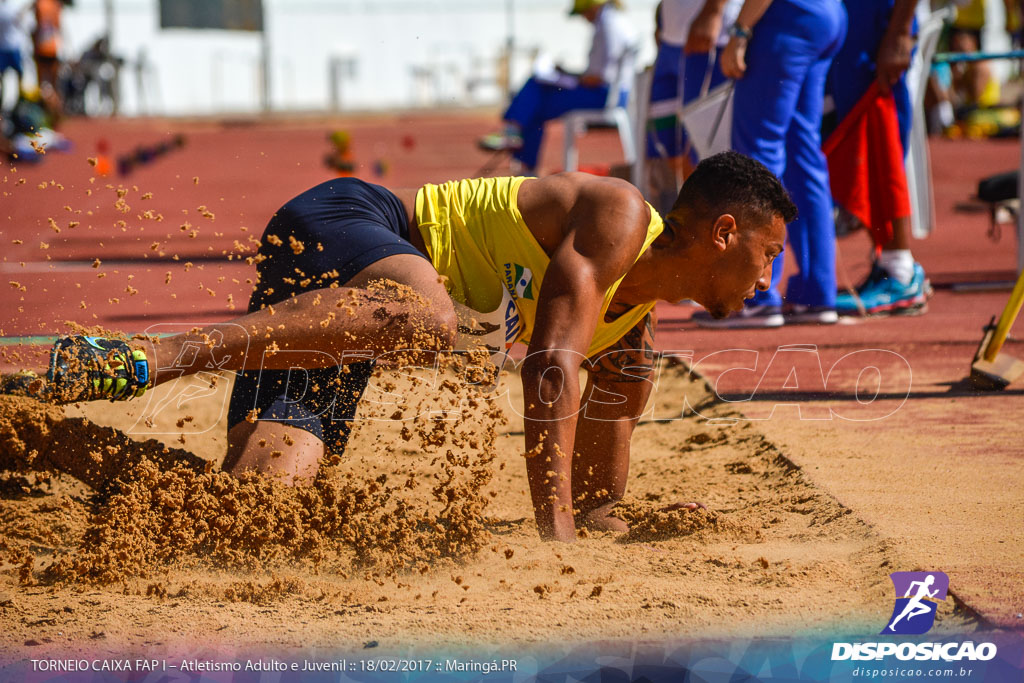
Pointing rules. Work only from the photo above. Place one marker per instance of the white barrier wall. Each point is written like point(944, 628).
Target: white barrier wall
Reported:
point(389, 53)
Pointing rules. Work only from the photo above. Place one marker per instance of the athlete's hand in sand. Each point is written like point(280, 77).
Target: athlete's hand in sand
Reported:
point(683, 506)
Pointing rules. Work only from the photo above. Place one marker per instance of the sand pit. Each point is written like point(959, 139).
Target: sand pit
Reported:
point(422, 536)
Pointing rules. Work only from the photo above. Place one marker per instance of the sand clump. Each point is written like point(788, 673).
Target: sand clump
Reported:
point(648, 522)
point(157, 508)
point(37, 436)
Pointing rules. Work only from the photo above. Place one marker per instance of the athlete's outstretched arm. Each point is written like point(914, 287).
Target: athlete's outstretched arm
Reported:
point(607, 228)
point(620, 383)
point(567, 312)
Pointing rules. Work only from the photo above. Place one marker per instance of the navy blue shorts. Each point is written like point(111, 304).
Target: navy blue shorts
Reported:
point(344, 225)
point(11, 59)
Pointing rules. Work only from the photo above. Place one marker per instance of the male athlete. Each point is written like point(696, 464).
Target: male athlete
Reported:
point(579, 260)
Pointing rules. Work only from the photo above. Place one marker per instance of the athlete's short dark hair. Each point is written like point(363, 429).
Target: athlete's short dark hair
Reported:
point(731, 182)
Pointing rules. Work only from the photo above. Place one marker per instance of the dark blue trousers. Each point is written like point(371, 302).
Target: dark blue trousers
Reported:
point(777, 120)
point(539, 102)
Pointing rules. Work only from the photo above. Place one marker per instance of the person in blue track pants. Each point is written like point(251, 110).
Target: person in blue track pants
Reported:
point(779, 52)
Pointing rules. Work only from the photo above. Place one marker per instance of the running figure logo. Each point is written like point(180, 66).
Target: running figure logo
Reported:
point(914, 612)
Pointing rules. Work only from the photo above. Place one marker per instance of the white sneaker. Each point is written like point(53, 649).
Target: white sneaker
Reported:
point(752, 316)
point(811, 315)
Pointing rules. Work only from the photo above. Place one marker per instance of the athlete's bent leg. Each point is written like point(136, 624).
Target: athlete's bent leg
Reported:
point(289, 437)
point(273, 448)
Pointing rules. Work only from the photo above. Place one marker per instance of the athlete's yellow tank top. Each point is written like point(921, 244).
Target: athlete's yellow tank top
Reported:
point(477, 239)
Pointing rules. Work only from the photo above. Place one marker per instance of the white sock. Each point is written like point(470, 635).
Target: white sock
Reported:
point(946, 115)
point(899, 263)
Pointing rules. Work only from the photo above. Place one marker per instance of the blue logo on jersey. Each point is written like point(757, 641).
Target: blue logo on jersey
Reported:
point(512, 326)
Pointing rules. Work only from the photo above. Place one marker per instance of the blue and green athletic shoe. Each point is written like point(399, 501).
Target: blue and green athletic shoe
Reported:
point(90, 368)
point(884, 295)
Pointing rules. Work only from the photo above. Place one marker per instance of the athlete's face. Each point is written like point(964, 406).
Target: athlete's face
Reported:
point(741, 262)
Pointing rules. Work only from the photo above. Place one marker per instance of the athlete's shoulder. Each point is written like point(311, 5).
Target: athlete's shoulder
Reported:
point(612, 215)
point(573, 189)
point(617, 204)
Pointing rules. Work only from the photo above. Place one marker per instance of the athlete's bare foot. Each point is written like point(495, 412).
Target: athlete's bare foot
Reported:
point(600, 519)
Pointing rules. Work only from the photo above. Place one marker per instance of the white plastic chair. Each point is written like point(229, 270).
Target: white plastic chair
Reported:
point(640, 96)
point(613, 114)
point(919, 175)
point(709, 124)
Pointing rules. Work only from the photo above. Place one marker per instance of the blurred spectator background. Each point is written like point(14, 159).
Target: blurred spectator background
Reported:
point(321, 54)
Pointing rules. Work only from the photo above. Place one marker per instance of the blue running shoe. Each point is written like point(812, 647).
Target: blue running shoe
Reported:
point(90, 368)
point(884, 295)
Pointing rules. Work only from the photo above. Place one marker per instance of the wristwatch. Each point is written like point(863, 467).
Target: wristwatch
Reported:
point(739, 31)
